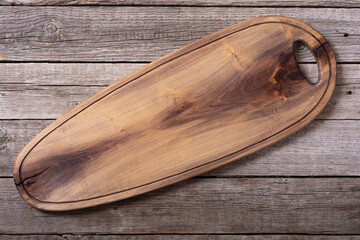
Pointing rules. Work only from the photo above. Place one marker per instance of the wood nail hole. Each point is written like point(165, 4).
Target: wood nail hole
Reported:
point(308, 67)
point(348, 92)
point(346, 34)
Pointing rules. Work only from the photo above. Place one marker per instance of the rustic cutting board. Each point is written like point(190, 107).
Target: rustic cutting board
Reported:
point(202, 106)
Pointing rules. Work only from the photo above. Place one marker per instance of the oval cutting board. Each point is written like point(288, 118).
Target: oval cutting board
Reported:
point(204, 105)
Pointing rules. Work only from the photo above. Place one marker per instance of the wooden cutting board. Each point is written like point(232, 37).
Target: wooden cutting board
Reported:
point(207, 104)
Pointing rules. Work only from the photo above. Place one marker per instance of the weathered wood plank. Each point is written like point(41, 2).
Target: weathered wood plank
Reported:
point(235, 205)
point(50, 102)
point(324, 148)
point(298, 3)
point(103, 74)
point(96, 74)
point(36, 91)
point(53, 100)
point(82, 74)
point(178, 237)
point(147, 33)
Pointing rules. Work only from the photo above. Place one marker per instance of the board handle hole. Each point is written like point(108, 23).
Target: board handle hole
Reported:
point(306, 62)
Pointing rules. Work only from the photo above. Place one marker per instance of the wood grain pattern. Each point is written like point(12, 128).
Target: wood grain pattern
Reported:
point(66, 84)
point(93, 74)
point(25, 88)
point(178, 237)
point(186, 113)
point(304, 154)
point(233, 3)
point(216, 205)
point(32, 101)
point(72, 34)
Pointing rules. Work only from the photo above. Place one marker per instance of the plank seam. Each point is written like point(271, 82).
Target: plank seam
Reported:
point(180, 234)
point(179, 5)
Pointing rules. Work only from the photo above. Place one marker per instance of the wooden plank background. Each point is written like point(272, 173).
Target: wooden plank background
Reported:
point(55, 54)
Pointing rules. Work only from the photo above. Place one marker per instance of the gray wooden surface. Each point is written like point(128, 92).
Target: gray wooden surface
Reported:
point(137, 33)
point(176, 237)
point(55, 54)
